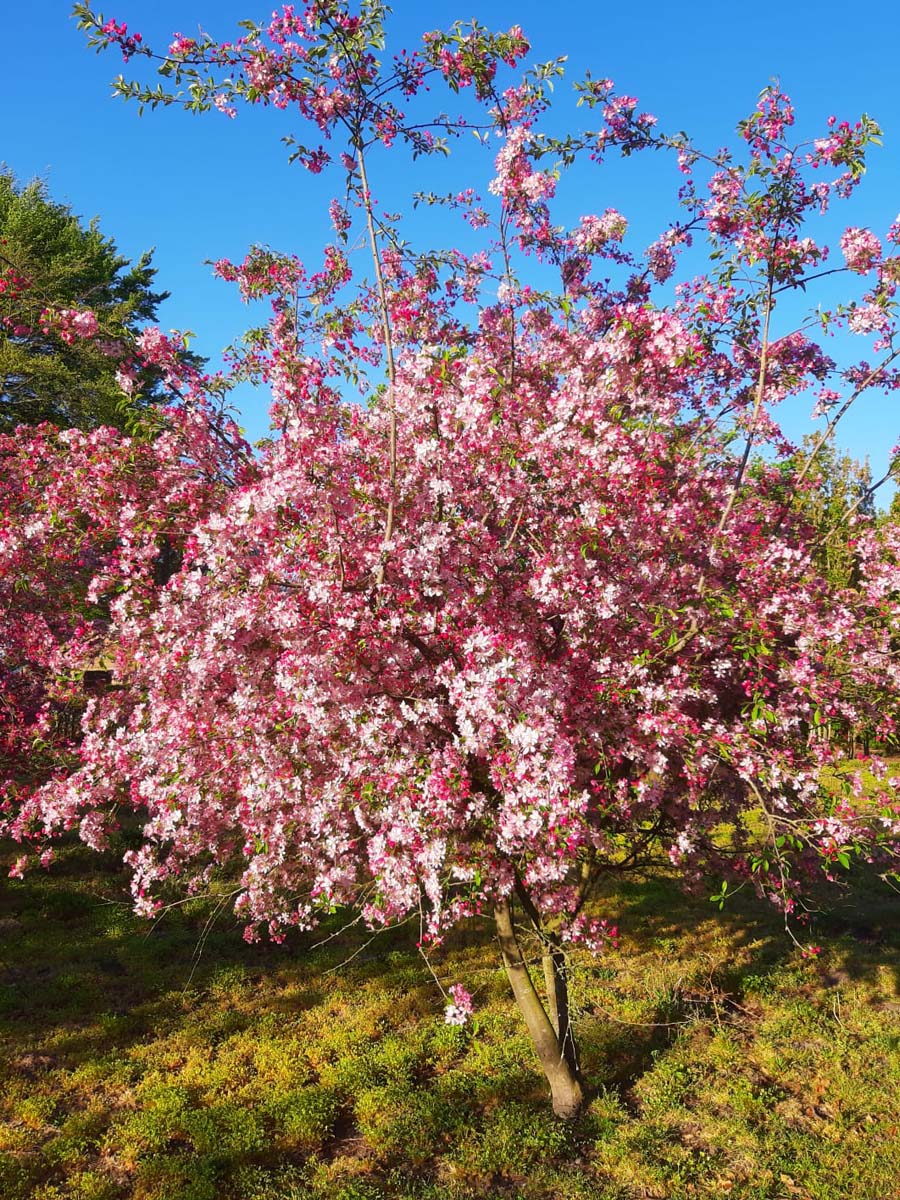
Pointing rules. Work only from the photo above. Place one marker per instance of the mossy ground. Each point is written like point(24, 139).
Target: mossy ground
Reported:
point(181, 1064)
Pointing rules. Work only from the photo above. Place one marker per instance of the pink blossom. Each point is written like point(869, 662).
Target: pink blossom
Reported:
point(593, 233)
point(222, 105)
point(126, 378)
point(71, 323)
point(861, 249)
point(661, 258)
point(867, 318)
point(19, 867)
point(460, 1008)
point(182, 46)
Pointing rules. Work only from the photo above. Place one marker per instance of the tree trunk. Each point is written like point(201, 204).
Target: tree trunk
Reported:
point(565, 1086)
point(557, 986)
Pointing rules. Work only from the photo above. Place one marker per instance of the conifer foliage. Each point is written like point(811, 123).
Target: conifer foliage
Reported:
point(70, 307)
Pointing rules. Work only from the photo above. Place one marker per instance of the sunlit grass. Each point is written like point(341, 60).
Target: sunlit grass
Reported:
point(724, 1063)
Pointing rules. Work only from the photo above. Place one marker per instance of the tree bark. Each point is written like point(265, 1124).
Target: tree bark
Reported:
point(557, 986)
point(565, 1086)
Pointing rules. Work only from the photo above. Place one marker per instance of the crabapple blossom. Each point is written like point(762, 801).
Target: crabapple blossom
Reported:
point(460, 1008)
point(861, 249)
point(71, 323)
point(868, 318)
point(89, 521)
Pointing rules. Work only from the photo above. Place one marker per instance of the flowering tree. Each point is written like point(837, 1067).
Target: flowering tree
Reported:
point(529, 613)
point(88, 518)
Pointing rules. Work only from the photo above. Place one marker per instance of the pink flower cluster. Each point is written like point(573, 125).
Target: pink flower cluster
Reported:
point(593, 233)
point(460, 1007)
point(861, 249)
point(117, 34)
point(71, 323)
point(868, 318)
point(516, 181)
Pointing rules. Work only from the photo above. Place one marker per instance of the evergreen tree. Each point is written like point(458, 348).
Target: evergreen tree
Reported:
point(51, 261)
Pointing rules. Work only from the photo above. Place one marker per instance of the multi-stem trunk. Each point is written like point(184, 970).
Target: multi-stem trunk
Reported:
point(556, 985)
point(555, 1047)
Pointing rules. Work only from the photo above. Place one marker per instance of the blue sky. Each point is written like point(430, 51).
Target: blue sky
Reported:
point(202, 188)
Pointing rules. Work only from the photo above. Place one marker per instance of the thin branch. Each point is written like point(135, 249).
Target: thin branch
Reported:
point(757, 405)
point(391, 365)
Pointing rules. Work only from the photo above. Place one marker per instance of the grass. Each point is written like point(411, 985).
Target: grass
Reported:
point(176, 1066)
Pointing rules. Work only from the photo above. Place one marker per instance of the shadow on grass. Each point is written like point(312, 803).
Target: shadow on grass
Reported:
point(83, 984)
point(71, 949)
point(859, 927)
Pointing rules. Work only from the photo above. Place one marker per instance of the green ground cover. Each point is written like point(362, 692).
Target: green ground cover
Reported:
point(182, 1064)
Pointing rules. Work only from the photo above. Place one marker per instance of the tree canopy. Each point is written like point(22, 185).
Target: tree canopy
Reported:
point(545, 603)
